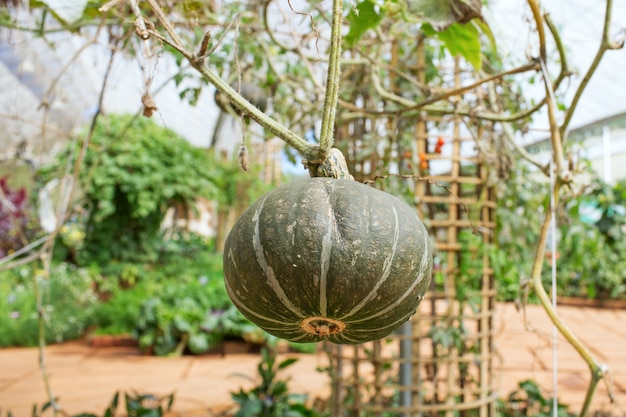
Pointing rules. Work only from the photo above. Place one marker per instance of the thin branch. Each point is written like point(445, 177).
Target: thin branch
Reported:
point(309, 151)
point(441, 110)
point(597, 370)
point(42, 344)
point(142, 31)
point(270, 32)
point(531, 66)
point(45, 101)
point(166, 24)
point(508, 134)
point(411, 107)
point(541, 33)
point(605, 45)
point(24, 261)
point(560, 47)
point(555, 135)
point(4, 262)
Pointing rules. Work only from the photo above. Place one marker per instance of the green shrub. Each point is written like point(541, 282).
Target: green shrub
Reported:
point(125, 286)
point(133, 171)
point(189, 317)
point(67, 304)
point(591, 240)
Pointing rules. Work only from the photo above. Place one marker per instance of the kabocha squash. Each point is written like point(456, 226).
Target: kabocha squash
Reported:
point(328, 259)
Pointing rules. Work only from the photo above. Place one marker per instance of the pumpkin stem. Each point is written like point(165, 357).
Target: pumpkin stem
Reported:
point(333, 166)
point(322, 326)
point(333, 79)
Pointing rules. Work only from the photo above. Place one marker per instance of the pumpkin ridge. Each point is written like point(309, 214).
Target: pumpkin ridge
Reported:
point(271, 280)
point(241, 305)
point(386, 269)
point(419, 279)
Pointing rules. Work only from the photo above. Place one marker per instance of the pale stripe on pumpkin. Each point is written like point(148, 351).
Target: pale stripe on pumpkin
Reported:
point(386, 269)
point(339, 337)
point(304, 335)
point(385, 327)
point(327, 245)
point(242, 306)
point(268, 270)
point(420, 277)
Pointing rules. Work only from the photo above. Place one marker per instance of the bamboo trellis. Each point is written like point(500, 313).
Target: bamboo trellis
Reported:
point(440, 362)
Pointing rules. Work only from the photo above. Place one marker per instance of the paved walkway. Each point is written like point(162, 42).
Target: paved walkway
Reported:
point(84, 378)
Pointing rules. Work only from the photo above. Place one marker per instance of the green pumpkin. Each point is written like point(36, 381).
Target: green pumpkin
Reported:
point(328, 259)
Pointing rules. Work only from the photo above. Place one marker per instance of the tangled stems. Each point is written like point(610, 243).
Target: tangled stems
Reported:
point(313, 153)
point(597, 371)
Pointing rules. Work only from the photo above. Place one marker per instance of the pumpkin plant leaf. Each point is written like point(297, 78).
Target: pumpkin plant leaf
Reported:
point(460, 40)
point(365, 16)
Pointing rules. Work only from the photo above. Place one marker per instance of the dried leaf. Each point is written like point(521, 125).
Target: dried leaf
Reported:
point(243, 157)
point(149, 106)
point(441, 14)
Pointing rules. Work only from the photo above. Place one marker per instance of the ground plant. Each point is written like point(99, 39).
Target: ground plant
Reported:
point(67, 303)
point(271, 397)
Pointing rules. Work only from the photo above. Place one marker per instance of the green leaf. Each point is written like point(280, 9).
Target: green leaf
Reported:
point(250, 407)
point(287, 362)
point(365, 16)
point(198, 343)
point(463, 40)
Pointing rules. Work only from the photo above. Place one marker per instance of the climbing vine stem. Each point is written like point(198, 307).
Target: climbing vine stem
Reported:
point(309, 151)
point(333, 79)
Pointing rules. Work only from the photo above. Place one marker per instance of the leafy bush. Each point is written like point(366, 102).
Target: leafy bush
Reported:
point(67, 301)
point(591, 246)
point(193, 317)
point(133, 171)
point(125, 286)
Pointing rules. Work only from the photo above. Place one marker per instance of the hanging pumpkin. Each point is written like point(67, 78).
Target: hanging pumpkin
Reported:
point(328, 259)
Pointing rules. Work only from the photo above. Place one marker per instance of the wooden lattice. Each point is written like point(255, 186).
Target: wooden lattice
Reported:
point(440, 362)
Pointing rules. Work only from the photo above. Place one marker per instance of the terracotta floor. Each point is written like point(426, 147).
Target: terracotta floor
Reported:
point(84, 378)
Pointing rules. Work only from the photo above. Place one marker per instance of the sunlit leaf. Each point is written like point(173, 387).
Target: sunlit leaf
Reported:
point(461, 40)
point(365, 16)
